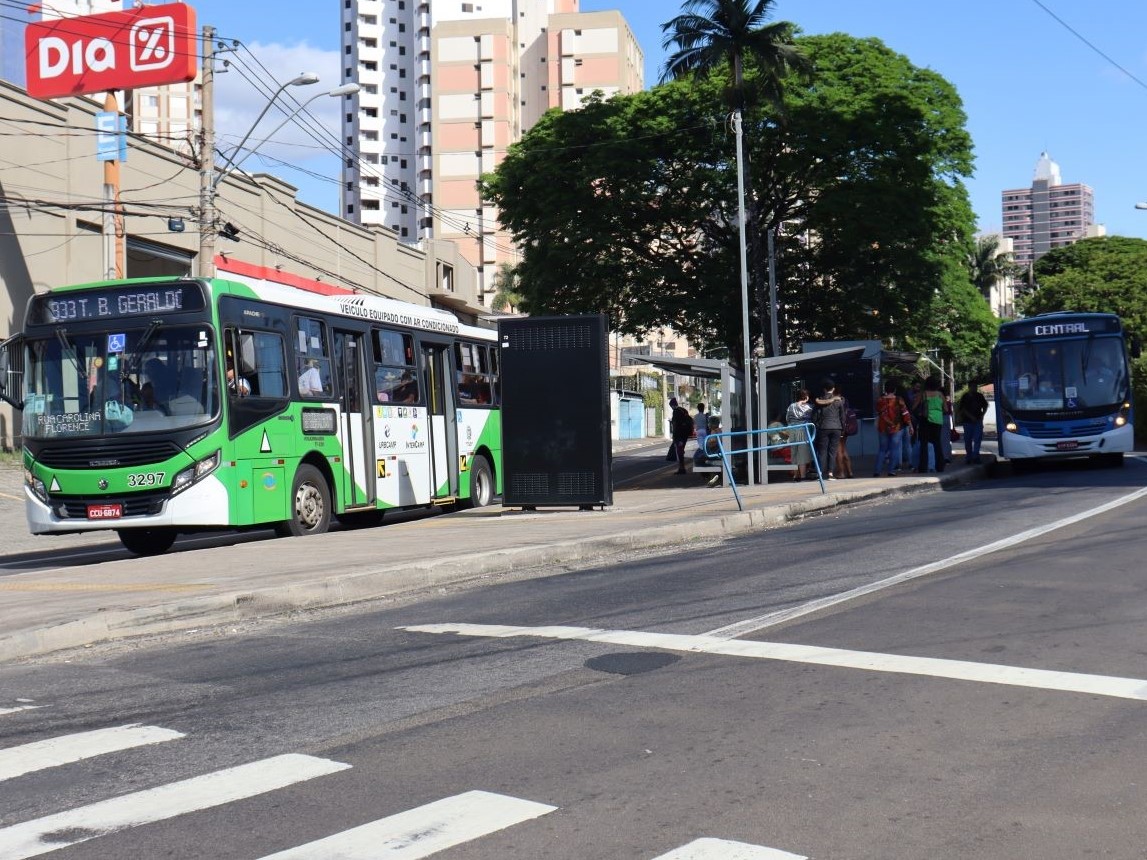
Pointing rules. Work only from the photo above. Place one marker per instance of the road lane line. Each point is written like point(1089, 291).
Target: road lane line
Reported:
point(723, 849)
point(53, 752)
point(424, 830)
point(52, 832)
point(934, 667)
point(771, 619)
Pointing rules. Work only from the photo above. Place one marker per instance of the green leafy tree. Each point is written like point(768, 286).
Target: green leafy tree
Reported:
point(628, 207)
point(1106, 274)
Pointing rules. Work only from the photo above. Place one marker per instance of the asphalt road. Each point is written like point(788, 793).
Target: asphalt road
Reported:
point(627, 745)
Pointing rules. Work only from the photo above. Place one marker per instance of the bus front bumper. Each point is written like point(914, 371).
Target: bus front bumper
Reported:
point(1017, 447)
point(204, 503)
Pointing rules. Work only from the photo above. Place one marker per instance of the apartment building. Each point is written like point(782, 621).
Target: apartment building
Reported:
point(1047, 215)
point(446, 87)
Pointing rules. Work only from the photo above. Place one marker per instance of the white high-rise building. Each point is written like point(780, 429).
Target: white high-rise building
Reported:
point(446, 87)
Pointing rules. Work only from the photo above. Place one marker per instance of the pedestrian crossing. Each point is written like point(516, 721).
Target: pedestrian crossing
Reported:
point(408, 835)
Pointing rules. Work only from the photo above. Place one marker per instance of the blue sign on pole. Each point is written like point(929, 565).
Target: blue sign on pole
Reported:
point(111, 136)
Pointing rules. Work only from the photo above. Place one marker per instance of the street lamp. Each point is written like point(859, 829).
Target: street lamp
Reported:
point(302, 80)
point(230, 166)
point(1141, 205)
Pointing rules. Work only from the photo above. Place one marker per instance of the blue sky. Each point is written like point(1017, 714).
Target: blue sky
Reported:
point(1075, 87)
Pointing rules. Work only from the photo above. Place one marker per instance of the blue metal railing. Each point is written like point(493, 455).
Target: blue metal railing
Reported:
point(771, 442)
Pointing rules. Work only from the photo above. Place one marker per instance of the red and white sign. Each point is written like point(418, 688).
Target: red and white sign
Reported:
point(142, 47)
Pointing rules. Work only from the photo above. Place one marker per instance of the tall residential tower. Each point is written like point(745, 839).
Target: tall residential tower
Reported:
point(447, 86)
point(1049, 214)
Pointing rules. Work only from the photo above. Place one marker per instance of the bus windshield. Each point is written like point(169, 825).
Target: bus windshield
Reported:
point(150, 378)
point(1053, 375)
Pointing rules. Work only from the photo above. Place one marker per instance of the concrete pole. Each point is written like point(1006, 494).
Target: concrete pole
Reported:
point(207, 217)
point(747, 396)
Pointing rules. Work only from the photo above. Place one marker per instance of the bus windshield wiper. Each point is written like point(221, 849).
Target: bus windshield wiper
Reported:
point(145, 339)
point(68, 349)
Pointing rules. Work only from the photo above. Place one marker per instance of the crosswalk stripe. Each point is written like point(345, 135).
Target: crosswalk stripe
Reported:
point(16, 761)
point(18, 709)
point(422, 831)
point(935, 667)
point(723, 849)
point(52, 832)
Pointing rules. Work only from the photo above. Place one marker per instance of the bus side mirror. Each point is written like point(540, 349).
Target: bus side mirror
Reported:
point(11, 371)
point(1136, 347)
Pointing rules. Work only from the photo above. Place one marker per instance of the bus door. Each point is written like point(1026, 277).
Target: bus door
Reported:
point(355, 430)
point(442, 420)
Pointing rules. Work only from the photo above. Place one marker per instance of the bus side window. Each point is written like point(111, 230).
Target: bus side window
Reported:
point(395, 377)
point(313, 363)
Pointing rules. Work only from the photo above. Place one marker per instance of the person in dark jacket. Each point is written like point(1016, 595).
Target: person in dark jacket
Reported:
point(680, 429)
point(829, 427)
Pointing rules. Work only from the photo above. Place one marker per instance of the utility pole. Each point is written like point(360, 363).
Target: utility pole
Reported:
point(113, 226)
point(207, 232)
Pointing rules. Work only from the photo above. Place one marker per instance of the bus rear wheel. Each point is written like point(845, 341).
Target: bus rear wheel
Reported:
point(481, 483)
point(310, 505)
point(147, 541)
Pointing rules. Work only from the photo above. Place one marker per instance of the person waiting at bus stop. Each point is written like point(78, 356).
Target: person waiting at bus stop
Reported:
point(680, 429)
point(930, 412)
point(970, 413)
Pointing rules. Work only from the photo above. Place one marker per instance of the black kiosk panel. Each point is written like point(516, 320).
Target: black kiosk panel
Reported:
point(555, 411)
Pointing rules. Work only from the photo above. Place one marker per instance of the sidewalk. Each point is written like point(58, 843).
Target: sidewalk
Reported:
point(69, 607)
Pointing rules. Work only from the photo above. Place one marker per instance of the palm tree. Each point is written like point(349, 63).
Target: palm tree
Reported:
point(707, 35)
point(710, 33)
point(989, 265)
point(507, 288)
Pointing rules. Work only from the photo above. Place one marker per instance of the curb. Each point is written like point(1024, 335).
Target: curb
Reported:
point(363, 586)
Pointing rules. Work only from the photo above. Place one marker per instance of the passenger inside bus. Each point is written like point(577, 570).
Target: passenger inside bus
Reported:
point(392, 386)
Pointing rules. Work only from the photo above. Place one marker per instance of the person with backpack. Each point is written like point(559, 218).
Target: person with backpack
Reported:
point(931, 424)
point(680, 429)
point(893, 420)
point(829, 427)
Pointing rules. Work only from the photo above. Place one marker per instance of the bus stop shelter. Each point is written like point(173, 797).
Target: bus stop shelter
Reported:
point(777, 378)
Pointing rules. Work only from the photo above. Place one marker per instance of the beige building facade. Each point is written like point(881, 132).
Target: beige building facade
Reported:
point(447, 86)
point(52, 206)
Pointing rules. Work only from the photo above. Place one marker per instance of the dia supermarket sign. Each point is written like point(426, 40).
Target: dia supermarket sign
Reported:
point(142, 47)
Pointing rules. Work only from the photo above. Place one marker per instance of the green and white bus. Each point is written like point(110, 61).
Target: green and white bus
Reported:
point(162, 406)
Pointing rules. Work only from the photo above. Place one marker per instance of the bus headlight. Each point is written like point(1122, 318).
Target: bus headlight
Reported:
point(37, 487)
point(194, 473)
point(1124, 414)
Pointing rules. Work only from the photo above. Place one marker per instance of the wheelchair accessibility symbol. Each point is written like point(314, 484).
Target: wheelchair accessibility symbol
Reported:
point(116, 343)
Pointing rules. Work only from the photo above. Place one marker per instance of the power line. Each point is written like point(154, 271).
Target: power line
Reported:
point(1085, 41)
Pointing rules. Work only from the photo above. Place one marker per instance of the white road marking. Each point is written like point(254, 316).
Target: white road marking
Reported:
point(18, 709)
point(723, 849)
point(52, 832)
point(961, 670)
point(422, 831)
point(16, 761)
point(752, 625)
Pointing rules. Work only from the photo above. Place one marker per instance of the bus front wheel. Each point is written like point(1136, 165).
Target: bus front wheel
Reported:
point(481, 483)
point(310, 505)
point(147, 541)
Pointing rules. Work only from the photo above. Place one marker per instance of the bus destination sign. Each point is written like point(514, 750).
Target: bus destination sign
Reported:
point(1050, 326)
point(115, 303)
